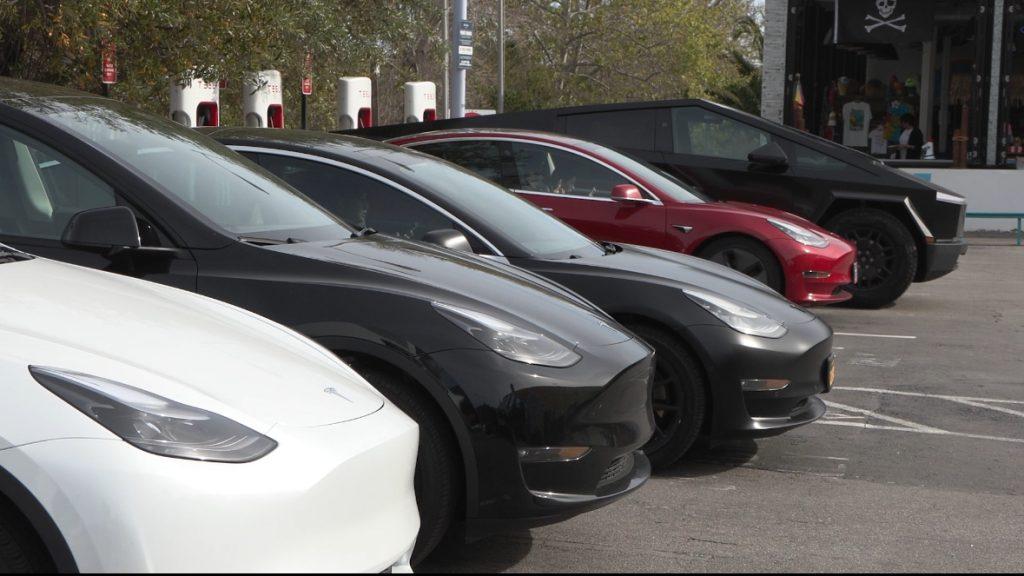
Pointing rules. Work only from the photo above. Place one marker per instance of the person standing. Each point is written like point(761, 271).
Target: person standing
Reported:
point(911, 138)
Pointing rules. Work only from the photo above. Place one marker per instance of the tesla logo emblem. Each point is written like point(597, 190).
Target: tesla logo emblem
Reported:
point(334, 392)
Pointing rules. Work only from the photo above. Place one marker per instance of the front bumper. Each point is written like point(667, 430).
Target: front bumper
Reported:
point(816, 276)
point(603, 403)
point(802, 356)
point(941, 258)
point(336, 498)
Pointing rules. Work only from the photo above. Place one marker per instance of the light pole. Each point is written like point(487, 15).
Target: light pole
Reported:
point(501, 56)
point(460, 11)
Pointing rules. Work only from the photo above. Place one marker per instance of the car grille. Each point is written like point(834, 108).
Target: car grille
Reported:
point(617, 470)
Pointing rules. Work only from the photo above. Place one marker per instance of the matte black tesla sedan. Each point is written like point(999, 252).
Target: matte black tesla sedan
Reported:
point(905, 229)
point(532, 403)
point(733, 357)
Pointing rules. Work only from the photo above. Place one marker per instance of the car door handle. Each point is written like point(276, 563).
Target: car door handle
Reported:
point(548, 209)
point(683, 229)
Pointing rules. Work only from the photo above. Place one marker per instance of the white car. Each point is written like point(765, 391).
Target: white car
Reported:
point(143, 428)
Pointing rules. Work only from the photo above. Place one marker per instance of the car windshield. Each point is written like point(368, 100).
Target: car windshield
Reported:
point(521, 224)
point(663, 181)
point(215, 183)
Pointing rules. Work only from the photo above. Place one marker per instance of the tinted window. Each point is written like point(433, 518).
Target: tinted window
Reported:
point(479, 156)
point(546, 169)
point(702, 133)
point(625, 129)
point(359, 200)
point(40, 189)
point(803, 157)
point(216, 183)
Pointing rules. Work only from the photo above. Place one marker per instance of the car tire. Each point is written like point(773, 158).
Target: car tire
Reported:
point(438, 470)
point(886, 255)
point(21, 551)
point(748, 256)
point(679, 395)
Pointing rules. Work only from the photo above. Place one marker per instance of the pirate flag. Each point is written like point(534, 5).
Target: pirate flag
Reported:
point(883, 21)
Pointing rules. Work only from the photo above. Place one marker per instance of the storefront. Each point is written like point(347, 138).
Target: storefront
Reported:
point(842, 68)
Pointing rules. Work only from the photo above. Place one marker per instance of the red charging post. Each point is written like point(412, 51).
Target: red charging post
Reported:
point(109, 69)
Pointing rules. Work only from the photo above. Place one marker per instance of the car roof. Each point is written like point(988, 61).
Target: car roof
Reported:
point(15, 89)
point(517, 133)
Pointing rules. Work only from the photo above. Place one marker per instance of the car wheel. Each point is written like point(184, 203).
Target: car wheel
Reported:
point(438, 472)
point(886, 255)
point(748, 256)
point(20, 549)
point(678, 394)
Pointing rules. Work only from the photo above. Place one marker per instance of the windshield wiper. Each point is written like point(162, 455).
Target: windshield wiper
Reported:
point(11, 255)
point(610, 248)
point(363, 232)
point(268, 241)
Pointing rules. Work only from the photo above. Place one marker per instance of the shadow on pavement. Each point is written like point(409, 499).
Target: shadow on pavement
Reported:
point(703, 460)
point(492, 554)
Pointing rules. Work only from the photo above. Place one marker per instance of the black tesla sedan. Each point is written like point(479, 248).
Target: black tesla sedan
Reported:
point(733, 357)
point(532, 403)
point(905, 229)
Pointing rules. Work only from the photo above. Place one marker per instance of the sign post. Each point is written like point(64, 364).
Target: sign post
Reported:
point(109, 67)
point(307, 84)
point(462, 54)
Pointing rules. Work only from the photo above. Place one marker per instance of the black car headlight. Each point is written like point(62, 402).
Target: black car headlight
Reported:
point(154, 423)
point(511, 341)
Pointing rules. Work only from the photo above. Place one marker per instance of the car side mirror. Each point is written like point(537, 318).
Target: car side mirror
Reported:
point(103, 228)
point(448, 238)
point(768, 157)
point(627, 193)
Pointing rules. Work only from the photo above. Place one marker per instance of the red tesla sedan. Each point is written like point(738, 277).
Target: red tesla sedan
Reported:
point(614, 197)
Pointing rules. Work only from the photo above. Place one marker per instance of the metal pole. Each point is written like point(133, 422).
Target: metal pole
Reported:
point(458, 91)
point(501, 56)
point(447, 62)
point(303, 111)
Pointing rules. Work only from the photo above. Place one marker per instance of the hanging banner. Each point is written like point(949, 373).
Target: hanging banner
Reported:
point(883, 21)
point(109, 70)
point(307, 75)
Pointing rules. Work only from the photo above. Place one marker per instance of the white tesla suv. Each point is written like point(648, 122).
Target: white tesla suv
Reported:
point(144, 428)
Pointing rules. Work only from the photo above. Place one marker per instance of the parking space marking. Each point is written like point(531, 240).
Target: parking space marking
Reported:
point(925, 395)
point(934, 431)
point(858, 335)
point(905, 423)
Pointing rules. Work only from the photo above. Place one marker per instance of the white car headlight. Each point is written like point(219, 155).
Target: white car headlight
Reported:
point(737, 316)
point(800, 234)
point(153, 423)
point(512, 342)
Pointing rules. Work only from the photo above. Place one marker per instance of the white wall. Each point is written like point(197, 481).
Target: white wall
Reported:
point(985, 190)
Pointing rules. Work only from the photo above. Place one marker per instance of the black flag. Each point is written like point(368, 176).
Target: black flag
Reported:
point(883, 21)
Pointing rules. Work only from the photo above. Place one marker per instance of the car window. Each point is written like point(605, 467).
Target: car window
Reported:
point(40, 189)
point(700, 132)
point(205, 177)
point(359, 200)
point(546, 169)
point(804, 157)
point(479, 156)
point(622, 129)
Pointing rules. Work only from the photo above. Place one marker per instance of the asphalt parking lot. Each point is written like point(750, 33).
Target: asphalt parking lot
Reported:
point(918, 466)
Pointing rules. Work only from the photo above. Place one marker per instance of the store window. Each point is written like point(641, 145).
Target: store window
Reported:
point(702, 133)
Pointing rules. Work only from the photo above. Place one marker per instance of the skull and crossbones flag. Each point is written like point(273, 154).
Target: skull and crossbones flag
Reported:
point(883, 21)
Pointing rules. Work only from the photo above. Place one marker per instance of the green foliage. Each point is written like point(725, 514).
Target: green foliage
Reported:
point(558, 52)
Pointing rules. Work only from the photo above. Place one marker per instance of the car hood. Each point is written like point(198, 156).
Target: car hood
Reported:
point(182, 346)
point(433, 273)
point(767, 211)
point(655, 266)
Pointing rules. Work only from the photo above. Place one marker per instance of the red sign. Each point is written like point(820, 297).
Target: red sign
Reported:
point(307, 75)
point(109, 63)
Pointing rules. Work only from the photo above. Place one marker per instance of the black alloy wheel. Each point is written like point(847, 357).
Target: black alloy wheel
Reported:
point(748, 256)
point(678, 395)
point(886, 255)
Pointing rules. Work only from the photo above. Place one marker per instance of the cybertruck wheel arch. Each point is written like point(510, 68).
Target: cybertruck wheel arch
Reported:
point(355, 351)
point(40, 521)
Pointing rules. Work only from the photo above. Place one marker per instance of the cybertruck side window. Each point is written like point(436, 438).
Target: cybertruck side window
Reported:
point(700, 132)
point(621, 128)
point(40, 189)
point(359, 200)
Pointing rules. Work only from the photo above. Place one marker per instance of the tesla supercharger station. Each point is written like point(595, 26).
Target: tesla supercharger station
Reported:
point(196, 103)
point(262, 103)
point(420, 102)
point(355, 103)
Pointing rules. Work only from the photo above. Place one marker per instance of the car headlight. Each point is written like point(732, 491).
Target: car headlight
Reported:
point(737, 316)
point(800, 234)
point(509, 340)
point(154, 423)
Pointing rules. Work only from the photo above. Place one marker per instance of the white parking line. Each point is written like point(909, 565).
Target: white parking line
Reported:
point(855, 334)
point(932, 431)
point(924, 395)
point(905, 423)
